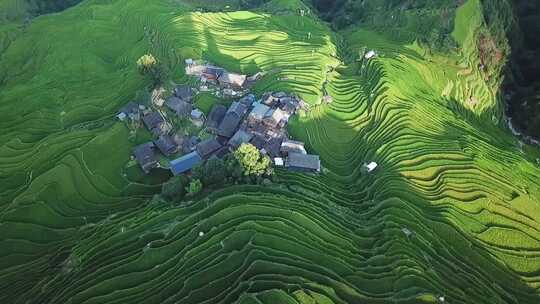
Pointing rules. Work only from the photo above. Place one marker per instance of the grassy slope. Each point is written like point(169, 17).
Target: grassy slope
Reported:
point(83, 233)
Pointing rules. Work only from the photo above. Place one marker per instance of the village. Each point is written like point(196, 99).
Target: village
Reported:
point(261, 122)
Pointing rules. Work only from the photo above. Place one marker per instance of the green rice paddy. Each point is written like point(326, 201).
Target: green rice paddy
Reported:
point(77, 225)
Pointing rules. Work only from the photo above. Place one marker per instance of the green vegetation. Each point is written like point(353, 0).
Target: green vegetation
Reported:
point(194, 187)
point(78, 224)
point(252, 161)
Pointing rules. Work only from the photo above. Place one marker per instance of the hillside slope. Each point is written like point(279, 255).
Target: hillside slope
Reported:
point(76, 228)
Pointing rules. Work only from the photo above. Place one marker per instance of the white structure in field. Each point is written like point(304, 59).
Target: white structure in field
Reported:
point(370, 54)
point(371, 166)
point(278, 161)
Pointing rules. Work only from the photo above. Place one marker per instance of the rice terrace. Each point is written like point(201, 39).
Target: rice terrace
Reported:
point(269, 151)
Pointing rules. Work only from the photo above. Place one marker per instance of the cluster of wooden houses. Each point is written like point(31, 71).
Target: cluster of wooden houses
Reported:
point(247, 120)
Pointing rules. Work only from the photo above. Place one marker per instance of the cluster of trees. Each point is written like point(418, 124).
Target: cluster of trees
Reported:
point(434, 22)
point(523, 75)
point(246, 165)
point(39, 7)
point(150, 67)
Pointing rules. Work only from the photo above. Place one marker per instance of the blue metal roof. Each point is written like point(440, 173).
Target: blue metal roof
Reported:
point(185, 163)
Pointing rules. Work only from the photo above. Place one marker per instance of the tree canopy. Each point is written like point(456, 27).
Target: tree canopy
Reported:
point(252, 161)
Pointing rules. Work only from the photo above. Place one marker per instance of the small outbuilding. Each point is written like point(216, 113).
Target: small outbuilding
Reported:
point(371, 166)
point(146, 156)
point(185, 163)
point(279, 162)
point(303, 162)
point(370, 54)
point(130, 110)
point(197, 117)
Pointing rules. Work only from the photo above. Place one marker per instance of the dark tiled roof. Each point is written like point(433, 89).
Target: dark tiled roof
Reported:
point(248, 100)
point(258, 141)
point(145, 156)
point(153, 120)
point(207, 147)
point(166, 145)
point(183, 92)
point(228, 126)
point(130, 108)
point(185, 163)
point(238, 108)
point(239, 138)
point(180, 107)
point(305, 162)
point(216, 72)
point(273, 145)
point(216, 116)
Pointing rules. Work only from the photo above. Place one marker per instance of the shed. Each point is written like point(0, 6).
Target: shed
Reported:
point(166, 145)
point(145, 156)
point(184, 92)
point(197, 114)
point(232, 80)
point(288, 146)
point(371, 166)
point(303, 162)
point(370, 54)
point(130, 110)
point(278, 161)
point(215, 117)
point(185, 163)
point(179, 106)
point(240, 137)
point(206, 148)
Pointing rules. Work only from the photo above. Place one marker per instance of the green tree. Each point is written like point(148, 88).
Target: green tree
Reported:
point(174, 188)
point(150, 67)
point(215, 171)
point(252, 161)
point(194, 187)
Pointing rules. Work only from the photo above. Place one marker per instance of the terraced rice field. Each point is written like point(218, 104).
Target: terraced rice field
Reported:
point(75, 228)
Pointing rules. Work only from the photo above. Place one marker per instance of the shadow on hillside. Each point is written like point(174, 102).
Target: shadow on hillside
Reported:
point(443, 258)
